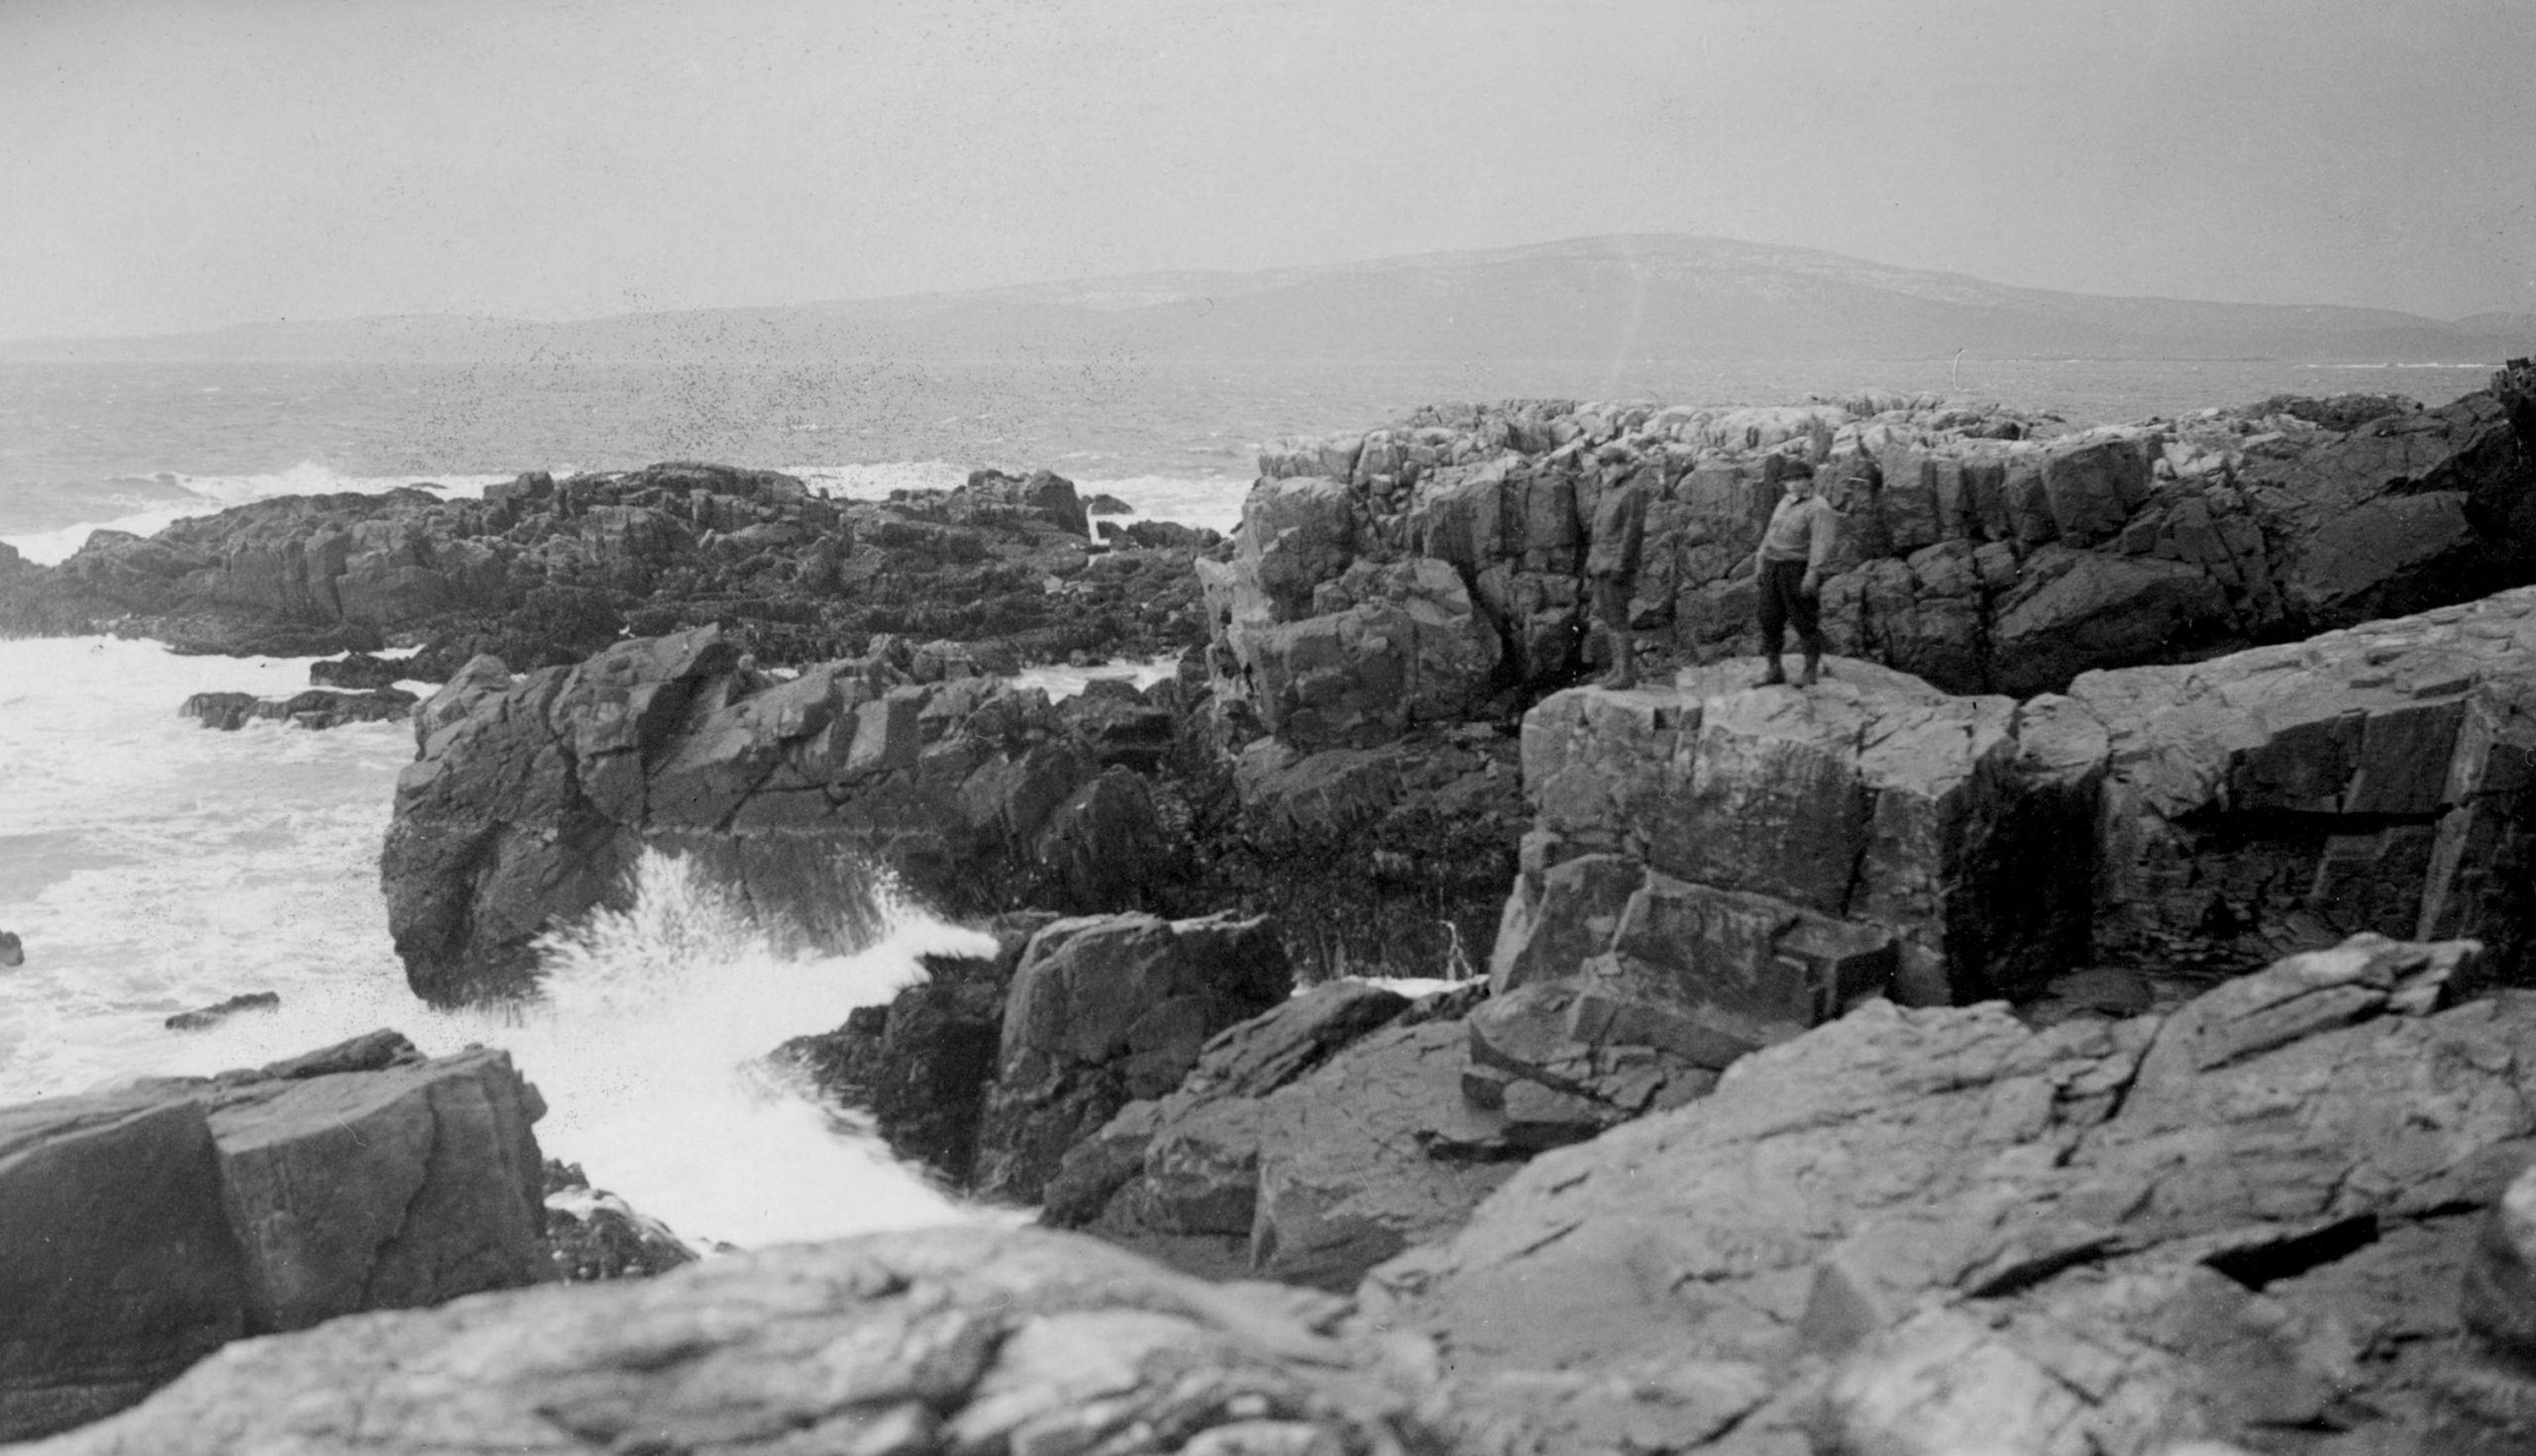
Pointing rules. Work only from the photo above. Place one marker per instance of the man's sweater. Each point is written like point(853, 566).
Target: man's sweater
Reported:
point(1804, 529)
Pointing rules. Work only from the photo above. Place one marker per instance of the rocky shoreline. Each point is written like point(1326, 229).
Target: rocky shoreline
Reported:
point(2090, 1022)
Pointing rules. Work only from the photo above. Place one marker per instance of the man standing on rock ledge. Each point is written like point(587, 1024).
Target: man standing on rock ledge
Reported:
point(1611, 568)
point(1795, 550)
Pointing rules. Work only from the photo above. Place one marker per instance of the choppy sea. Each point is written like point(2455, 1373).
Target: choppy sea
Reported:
point(152, 866)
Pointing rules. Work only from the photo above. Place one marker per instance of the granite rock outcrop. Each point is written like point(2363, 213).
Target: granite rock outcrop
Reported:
point(1419, 571)
point(530, 801)
point(146, 1226)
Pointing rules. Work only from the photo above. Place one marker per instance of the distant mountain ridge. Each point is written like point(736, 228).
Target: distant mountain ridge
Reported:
point(1615, 299)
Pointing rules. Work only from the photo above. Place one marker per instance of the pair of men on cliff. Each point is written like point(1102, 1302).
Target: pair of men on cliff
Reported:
point(1795, 552)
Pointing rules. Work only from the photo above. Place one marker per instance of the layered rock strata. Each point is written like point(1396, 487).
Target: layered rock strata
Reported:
point(545, 572)
point(145, 1227)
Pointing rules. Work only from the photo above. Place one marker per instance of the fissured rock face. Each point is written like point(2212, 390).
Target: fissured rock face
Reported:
point(1929, 1230)
point(530, 800)
point(141, 1228)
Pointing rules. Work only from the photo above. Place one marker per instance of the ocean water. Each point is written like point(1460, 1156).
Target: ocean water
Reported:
point(153, 867)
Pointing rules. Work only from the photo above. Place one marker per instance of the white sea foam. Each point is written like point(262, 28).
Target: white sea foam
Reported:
point(154, 866)
point(211, 494)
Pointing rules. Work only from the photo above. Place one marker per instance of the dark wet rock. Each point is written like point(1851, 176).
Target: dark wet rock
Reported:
point(1166, 535)
point(1102, 503)
point(530, 800)
point(13, 951)
point(203, 1017)
point(356, 670)
point(542, 571)
point(593, 1234)
point(1918, 1230)
point(921, 1064)
point(948, 1339)
point(1390, 861)
point(1106, 1011)
point(317, 707)
point(147, 1225)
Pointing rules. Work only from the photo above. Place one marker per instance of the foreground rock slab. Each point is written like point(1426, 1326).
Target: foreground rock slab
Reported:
point(141, 1228)
point(945, 1340)
point(1934, 1231)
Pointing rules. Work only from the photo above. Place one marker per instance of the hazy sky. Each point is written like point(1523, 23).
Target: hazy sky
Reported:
point(172, 164)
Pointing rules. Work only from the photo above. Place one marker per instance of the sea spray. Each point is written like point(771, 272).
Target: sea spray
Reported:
point(650, 1039)
point(154, 867)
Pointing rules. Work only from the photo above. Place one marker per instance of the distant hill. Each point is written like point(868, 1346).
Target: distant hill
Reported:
point(1617, 300)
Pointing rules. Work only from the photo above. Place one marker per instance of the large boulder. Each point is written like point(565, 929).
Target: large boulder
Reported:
point(948, 1339)
point(145, 1226)
point(1918, 1231)
point(1103, 1011)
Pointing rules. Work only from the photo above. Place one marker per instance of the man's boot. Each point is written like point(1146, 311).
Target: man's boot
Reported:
point(1776, 676)
point(1624, 673)
point(1813, 671)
